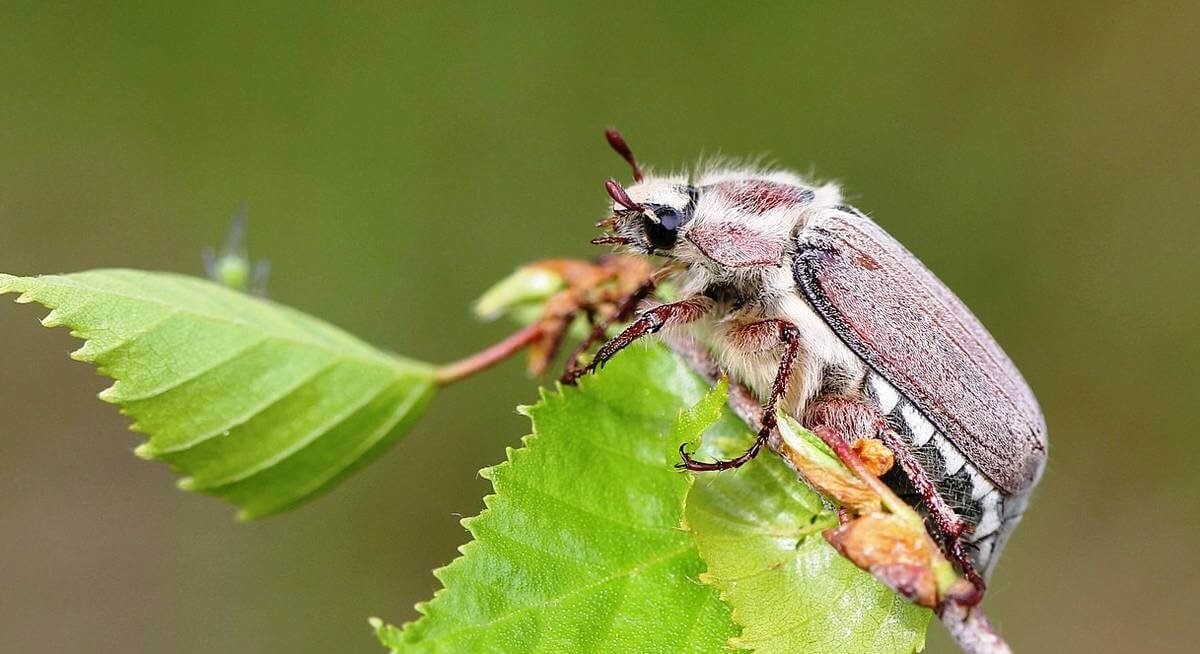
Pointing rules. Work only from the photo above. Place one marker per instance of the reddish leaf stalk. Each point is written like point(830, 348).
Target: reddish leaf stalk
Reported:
point(485, 359)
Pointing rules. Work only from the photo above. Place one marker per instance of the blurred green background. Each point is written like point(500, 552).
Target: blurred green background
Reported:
point(397, 159)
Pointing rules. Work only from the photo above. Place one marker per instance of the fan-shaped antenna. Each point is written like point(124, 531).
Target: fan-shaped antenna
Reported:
point(618, 143)
point(618, 194)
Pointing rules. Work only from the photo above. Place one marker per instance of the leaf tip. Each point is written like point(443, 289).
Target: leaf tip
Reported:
point(52, 319)
point(110, 394)
point(184, 483)
point(738, 644)
point(82, 354)
point(146, 451)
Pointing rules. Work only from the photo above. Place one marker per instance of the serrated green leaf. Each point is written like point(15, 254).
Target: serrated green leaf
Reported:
point(257, 403)
point(759, 532)
point(388, 635)
point(580, 548)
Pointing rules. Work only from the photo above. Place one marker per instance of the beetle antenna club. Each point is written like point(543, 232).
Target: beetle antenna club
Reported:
point(618, 194)
point(618, 143)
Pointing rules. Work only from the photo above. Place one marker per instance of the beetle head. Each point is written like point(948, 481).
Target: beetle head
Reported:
point(648, 216)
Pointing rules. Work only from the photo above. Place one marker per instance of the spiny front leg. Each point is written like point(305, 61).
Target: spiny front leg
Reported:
point(651, 321)
point(789, 336)
point(623, 310)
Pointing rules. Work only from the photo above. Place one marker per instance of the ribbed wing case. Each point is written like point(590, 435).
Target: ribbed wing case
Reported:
point(907, 325)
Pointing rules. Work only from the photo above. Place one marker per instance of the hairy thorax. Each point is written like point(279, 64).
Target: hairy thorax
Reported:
point(740, 332)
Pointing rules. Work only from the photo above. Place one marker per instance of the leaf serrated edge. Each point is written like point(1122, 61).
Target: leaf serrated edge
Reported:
point(546, 397)
point(466, 548)
point(28, 287)
point(376, 356)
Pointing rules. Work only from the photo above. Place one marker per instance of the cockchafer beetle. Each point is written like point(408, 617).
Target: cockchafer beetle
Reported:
point(824, 315)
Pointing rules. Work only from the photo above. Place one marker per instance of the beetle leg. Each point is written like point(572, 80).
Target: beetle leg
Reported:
point(650, 322)
point(853, 420)
point(789, 335)
point(623, 311)
point(945, 520)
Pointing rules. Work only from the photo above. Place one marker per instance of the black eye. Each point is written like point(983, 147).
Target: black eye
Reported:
point(662, 233)
point(669, 218)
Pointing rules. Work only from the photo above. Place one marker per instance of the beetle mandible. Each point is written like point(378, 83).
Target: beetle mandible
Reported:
point(824, 315)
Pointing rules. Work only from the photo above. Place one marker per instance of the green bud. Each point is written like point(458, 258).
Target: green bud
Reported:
point(232, 271)
point(808, 455)
point(231, 265)
point(528, 286)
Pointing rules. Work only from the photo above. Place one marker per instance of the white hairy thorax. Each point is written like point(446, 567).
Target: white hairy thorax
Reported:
point(756, 293)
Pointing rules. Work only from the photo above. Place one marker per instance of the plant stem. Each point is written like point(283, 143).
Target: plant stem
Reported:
point(969, 627)
point(485, 359)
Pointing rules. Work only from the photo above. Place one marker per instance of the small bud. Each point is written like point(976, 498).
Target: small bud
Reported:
point(232, 271)
point(231, 265)
point(877, 457)
point(895, 551)
point(528, 286)
point(809, 457)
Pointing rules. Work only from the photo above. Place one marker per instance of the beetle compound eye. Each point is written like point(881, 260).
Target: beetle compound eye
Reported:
point(669, 218)
point(663, 232)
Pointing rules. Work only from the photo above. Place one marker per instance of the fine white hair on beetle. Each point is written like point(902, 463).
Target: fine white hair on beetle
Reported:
point(712, 169)
point(710, 165)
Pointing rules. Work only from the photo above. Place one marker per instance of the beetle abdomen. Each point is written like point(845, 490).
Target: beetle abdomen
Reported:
point(991, 512)
point(909, 327)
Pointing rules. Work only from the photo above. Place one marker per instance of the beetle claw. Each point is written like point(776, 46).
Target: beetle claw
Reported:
point(738, 461)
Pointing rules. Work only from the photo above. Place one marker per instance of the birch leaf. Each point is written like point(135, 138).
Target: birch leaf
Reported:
point(579, 549)
point(254, 402)
point(759, 532)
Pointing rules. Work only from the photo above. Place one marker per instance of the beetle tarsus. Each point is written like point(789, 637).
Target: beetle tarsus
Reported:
point(959, 555)
point(650, 322)
point(738, 461)
point(789, 336)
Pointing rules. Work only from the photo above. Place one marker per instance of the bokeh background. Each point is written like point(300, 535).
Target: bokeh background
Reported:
point(397, 158)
